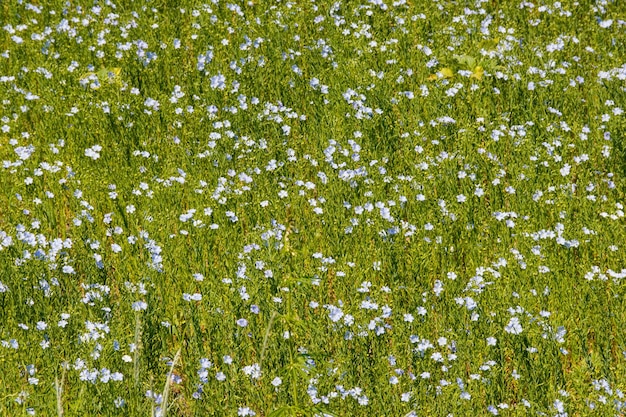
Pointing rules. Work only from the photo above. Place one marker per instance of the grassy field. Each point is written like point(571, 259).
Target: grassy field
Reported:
point(307, 208)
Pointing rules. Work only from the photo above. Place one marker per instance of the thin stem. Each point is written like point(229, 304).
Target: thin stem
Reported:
point(166, 389)
point(267, 333)
point(136, 351)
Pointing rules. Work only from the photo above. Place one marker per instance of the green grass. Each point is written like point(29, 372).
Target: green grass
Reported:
point(350, 222)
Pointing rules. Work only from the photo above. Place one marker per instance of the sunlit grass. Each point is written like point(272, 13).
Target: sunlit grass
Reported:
point(301, 208)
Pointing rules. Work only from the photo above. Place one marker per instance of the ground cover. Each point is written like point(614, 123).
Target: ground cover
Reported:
point(272, 208)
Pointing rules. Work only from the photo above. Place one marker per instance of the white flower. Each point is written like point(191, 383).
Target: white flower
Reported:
point(93, 152)
point(139, 305)
point(245, 411)
point(334, 313)
point(253, 371)
point(192, 297)
point(558, 406)
point(514, 326)
point(24, 152)
point(606, 23)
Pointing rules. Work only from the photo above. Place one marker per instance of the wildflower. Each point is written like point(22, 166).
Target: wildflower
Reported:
point(139, 305)
point(334, 313)
point(253, 371)
point(93, 152)
point(245, 411)
point(514, 326)
point(192, 297)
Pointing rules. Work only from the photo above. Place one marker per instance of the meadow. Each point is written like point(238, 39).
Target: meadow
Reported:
point(306, 208)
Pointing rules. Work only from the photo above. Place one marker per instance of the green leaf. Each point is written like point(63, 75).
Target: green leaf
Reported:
point(323, 411)
point(287, 410)
point(489, 44)
point(279, 412)
point(465, 61)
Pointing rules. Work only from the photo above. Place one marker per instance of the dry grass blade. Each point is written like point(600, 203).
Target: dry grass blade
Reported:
point(166, 388)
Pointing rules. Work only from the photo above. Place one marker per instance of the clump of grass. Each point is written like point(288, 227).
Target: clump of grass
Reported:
point(324, 208)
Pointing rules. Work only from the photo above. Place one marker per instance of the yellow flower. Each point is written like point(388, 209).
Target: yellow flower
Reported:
point(447, 72)
point(478, 73)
